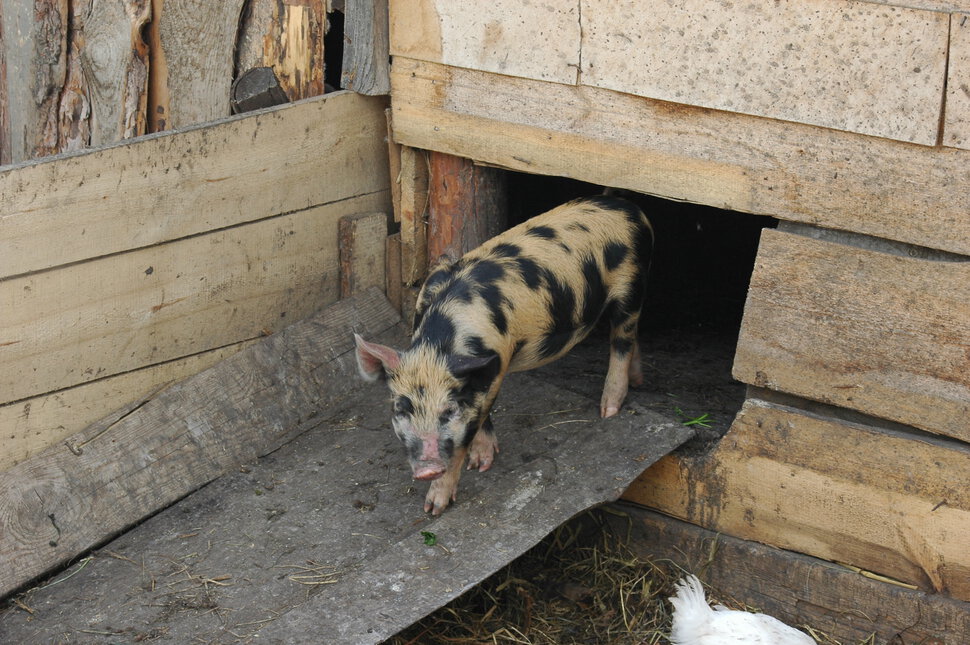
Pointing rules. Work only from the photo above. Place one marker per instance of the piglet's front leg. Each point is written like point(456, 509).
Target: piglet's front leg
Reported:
point(444, 490)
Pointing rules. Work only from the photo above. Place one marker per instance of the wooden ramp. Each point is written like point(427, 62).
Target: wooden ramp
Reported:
point(324, 539)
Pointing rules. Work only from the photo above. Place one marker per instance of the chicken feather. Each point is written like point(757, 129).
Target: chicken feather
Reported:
point(695, 623)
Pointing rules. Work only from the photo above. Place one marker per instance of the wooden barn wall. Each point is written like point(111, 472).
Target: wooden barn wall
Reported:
point(133, 266)
point(848, 121)
point(83, 73)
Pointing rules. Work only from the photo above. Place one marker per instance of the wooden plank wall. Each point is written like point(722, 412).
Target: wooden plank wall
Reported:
point(865, 330)
point(67, 499)
point(738, 162)
point(219, 235)
point(77, 74)
point(880, 331)
point(956, 127)
point(882, 70)
point(882, 499)
point(853, 443)
point(797, 589)
point(884, 75)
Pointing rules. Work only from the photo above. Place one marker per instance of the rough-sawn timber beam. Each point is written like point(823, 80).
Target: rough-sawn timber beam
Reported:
point(899, 191)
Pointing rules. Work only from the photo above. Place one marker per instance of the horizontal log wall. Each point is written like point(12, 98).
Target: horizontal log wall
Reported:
point(883, 334)
point(798, 589)
point(887, 501)
point(792, 171)
point(136, 265)
point(859, 307)
point(857, 66)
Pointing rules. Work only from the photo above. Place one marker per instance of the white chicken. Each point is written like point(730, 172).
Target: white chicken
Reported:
point(695, 623)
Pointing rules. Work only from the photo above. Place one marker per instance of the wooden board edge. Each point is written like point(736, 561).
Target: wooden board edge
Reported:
point(730, 161)
point(39, 220)
point(862, 324)
point(798, 589)
point(247, 280)
point(827, 488)
point(63, 502)
point(49, 419)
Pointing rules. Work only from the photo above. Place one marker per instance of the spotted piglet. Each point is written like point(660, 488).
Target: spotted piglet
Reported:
point(521, 300)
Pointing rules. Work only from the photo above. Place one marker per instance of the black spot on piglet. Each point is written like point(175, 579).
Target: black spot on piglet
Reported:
point(486, 272)
point(506, 250)
point(543, 232)
point(494, 299)
point(529, 271)
point(437, 330)
point(562, 307)
point(594, 292)
point(613, 254)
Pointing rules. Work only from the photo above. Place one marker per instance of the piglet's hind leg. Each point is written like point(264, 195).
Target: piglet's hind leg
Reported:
point(481, 452)
point(624, 366)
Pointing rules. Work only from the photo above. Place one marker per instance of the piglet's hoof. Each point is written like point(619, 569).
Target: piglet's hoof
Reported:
point(443, 491)
point(481, 454)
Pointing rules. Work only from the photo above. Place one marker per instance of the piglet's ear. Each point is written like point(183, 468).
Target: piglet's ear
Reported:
point(478, 372)
point(462, 366)
point(374, 360)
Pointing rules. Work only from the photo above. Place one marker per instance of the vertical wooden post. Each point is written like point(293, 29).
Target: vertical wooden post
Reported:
point(413, 178)
point(412, 207)
point(4, 109)
point(394, 153)
point(365, 69)
point(392, 263)
point(35, 59)
point(467, 205)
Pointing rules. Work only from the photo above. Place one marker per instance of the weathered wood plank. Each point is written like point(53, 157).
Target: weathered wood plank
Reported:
point(362, 245)
point(91, 320)
point(831, 489)
point(366, 66)
point(839, 64)
point(113, 60)
point(394, 166)
point(4, 101)
point(467, 205)
point(874, 332)
point(798, 172)
point(74, 111)
point(70, 209)
point(35, 44)
point(63, 501)
point(413, 179)
point(29, 426)
point(795, 588)
point(289, 38)
point(539, 40)
point(409, 302)
point(90, 67)
point(259, 20)
point(956, 127)
point(947, 6)
point(393, 271)
point(193, 41)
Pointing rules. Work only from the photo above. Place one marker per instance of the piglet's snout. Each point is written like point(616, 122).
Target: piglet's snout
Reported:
point(428, 471)
point(429, 464)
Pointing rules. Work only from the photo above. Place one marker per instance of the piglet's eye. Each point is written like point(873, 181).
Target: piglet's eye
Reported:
point(402, 405)
point(450, 412)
